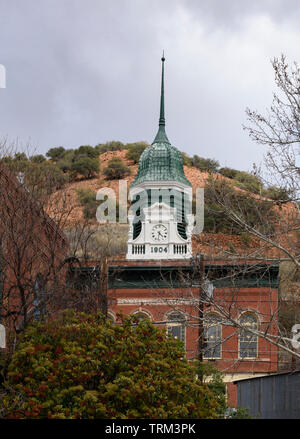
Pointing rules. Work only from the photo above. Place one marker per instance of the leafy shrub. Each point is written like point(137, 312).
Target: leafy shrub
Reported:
point(116, 170)
point(86, 151)
point(44, 177)
point(17, 163)
point(203, 164)
point(56, 153)
point(87, 198)
point(216, 384)
point(39, 176)
point(83, 160)
point(85, 367)
point(135, 150)
point(243, 180)
point(65, 163)
point(39, 158)
point(248, 182)
point(228, 172)
point(20, 157)
point(278, 194)
point(86, 166)
point(113, 145)
point(220, 197)
point(187, 161)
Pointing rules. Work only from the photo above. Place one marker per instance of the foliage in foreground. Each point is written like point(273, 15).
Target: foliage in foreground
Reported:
point(85, 367)
point(206, 372)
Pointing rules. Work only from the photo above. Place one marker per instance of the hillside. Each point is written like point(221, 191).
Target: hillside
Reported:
point(194, 175)
point(212, 244)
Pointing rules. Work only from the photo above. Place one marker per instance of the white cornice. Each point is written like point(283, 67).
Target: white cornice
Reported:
point(156, 301)
point(161, 184)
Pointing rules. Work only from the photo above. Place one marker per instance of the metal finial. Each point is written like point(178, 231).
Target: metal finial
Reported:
point(161, 135)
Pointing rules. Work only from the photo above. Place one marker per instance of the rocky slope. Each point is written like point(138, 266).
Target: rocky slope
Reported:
point(216, 245)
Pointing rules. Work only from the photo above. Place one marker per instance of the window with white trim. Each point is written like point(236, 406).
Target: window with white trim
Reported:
point(140, 315)
point(247, 340)
point(111, 317)
point(176, 325)
point(212, 337)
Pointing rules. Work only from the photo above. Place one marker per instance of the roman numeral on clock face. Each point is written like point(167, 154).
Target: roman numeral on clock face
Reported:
point(159, 233)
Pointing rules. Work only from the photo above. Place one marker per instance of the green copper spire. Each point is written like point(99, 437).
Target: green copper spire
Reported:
point(161, 161)
point(161, 136)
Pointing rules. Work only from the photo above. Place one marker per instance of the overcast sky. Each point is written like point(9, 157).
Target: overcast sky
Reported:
point(88, 71)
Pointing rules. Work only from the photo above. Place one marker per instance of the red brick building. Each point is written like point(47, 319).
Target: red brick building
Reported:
point(32, 249)
point(170, 294)
point(162, 292)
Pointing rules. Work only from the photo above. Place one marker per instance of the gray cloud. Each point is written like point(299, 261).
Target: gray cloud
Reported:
point(231, 13)
point(84, 72)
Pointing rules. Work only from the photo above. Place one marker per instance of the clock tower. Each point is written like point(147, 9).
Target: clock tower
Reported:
point(160, 219)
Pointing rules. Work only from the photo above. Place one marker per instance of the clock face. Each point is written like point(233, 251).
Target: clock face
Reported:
point(159, 233)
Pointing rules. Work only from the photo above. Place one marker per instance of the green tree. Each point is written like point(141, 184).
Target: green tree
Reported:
point(203, 164)
point(187, 161)
point(65, 163)
point(86, 367)
point(206, 372)
point(135, 150)
point(244, 180)
point(116, 170)
point(39, 158)
point(39, 176)
point(248, 182)
point(87, 198)
point(56, 153)
point(86, 166)
point(86, 151)
point(221, 196)
point(17, 163)
point(279, 194)
point(228, 172)
point(113, 145)
point(44, 178)
point(21, 157)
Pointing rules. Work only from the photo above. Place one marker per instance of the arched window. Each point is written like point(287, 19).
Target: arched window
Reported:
point(248, 341)
point(212, 337)
point(111, 317)
point(142, 315)
point(176, 325)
